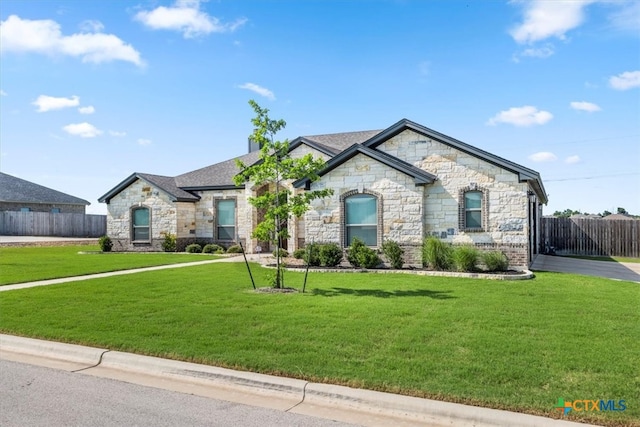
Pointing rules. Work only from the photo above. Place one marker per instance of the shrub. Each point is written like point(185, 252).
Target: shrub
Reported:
point(394, 253)
point(212, 248)
point(169, 244)
point(311, 254)
point(235, 249)
point(495, 261)
point(105, 243)
point(359, 255)
point(330, 254)
point(436, 254)
point(193, 248)
point(283, 253)
point(299, 253)
point(465, 258)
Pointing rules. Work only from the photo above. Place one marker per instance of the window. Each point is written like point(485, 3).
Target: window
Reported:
point(361, 219)
point(55, 210)
point(25, 209)
point(473, 209)
point(226, 219)
point(140, 224)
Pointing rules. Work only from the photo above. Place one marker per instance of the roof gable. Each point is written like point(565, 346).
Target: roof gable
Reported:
point(524, 173)
point(13, 189)
point(164, 183)
point(420, 177)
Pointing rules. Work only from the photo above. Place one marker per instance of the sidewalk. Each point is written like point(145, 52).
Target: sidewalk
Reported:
point(358, 406)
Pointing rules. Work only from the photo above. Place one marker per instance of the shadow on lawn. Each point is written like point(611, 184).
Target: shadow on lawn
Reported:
point(383, 294)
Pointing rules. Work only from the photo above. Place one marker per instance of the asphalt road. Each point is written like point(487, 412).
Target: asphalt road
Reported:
point(38, 396)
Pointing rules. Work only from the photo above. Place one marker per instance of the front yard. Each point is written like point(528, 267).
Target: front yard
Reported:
point(511, 345)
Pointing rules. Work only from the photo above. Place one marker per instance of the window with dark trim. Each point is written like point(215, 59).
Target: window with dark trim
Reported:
point(473, 210)
point(140, 224)
point(226, 219)
point(361, 219)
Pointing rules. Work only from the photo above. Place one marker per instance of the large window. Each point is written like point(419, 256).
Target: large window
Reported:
point(226, 219)
point(473, 209)
point(361, 219)
point(140, 224)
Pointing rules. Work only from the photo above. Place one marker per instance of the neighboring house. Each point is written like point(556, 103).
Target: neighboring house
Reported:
point(619, 216)
point(403, 183)
point(23, 196)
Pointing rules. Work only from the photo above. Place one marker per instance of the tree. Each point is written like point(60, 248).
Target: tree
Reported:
point(277, 169)
point(623, 211)
point(566, 213)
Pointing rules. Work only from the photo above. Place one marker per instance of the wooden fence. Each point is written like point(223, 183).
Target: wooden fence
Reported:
point(595, 237)
point(52, 224)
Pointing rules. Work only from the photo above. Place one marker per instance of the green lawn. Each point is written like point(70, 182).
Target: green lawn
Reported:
point(26, 264)
point(512, 345)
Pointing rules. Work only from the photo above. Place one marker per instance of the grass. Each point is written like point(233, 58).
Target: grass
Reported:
point(511, 345)
point(606, 258)
point(26, 264)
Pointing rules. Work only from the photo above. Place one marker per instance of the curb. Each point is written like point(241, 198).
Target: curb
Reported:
point(367, 406)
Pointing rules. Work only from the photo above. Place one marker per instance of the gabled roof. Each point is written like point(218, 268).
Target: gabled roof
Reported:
point(420, 177)
point(215, 177)
point(18, 190)
point(165, 183)
point(524, 173)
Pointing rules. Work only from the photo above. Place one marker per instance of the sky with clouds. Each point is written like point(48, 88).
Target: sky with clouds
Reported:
point(91, 92)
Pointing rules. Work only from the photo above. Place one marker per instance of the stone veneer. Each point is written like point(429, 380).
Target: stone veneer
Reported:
point(411, 212)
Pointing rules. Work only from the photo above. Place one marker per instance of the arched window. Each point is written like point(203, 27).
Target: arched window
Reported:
point(140, 224)
point(473, 209)
point(361, 219)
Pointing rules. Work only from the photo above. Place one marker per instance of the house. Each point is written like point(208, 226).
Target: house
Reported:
point(18, 195)
point(619, 216)
point(403, 183)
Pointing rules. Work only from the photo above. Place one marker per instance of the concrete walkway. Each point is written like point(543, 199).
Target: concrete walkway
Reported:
point(612, 270)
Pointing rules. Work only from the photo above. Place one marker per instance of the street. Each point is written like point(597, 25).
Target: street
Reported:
point(38, 396)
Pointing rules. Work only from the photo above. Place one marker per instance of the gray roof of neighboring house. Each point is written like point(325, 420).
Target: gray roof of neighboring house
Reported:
point(619, 216)
point(18, 190)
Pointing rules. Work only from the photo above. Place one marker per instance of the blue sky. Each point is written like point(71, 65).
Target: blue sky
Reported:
point(94, 91)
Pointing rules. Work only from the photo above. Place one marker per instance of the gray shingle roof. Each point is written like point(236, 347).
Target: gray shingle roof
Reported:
point(18, 190)
point(219, 175)
point(341, 141)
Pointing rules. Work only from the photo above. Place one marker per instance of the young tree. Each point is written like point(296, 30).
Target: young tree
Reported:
point(276, 168)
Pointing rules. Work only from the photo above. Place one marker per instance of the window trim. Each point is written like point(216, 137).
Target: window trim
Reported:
point(343, 216)
point(484, 208)
point(133, 227)
point(216, 217)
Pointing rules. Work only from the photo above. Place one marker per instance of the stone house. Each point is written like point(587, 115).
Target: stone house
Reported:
point(402, 183)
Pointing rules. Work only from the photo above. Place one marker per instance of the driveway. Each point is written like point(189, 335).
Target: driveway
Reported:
point(612, 270)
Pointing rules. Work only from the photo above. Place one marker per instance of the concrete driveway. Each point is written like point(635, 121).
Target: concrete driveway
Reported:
point(612, 270)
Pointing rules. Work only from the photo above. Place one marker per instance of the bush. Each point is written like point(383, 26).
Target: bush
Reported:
point(394, 253)
point(465, 258)
point(495, 261)
point(235, 249)
point(283, 253)
point(299, 253)
point(193, 248)
point(359, 255)
point(105, 243)
point(436, 254)
point(311, 254)
point(169, 244)
point(212, 248)
point(330, 254)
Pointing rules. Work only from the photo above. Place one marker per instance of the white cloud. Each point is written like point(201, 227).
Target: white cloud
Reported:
point(87, 110)
point(627, 17)
point(626, 80)
point(91, 26)
point(117, 134)
point(543, 156)
point(543, 19)
point(44, 36)
point(585, 106)
point(540, 52)
point(521, 116)
point(185, 16)
point(48, 103)
point(144, 141)
point(83, 130)
point(3, 93)
point(259, 90)
point(571, 160)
